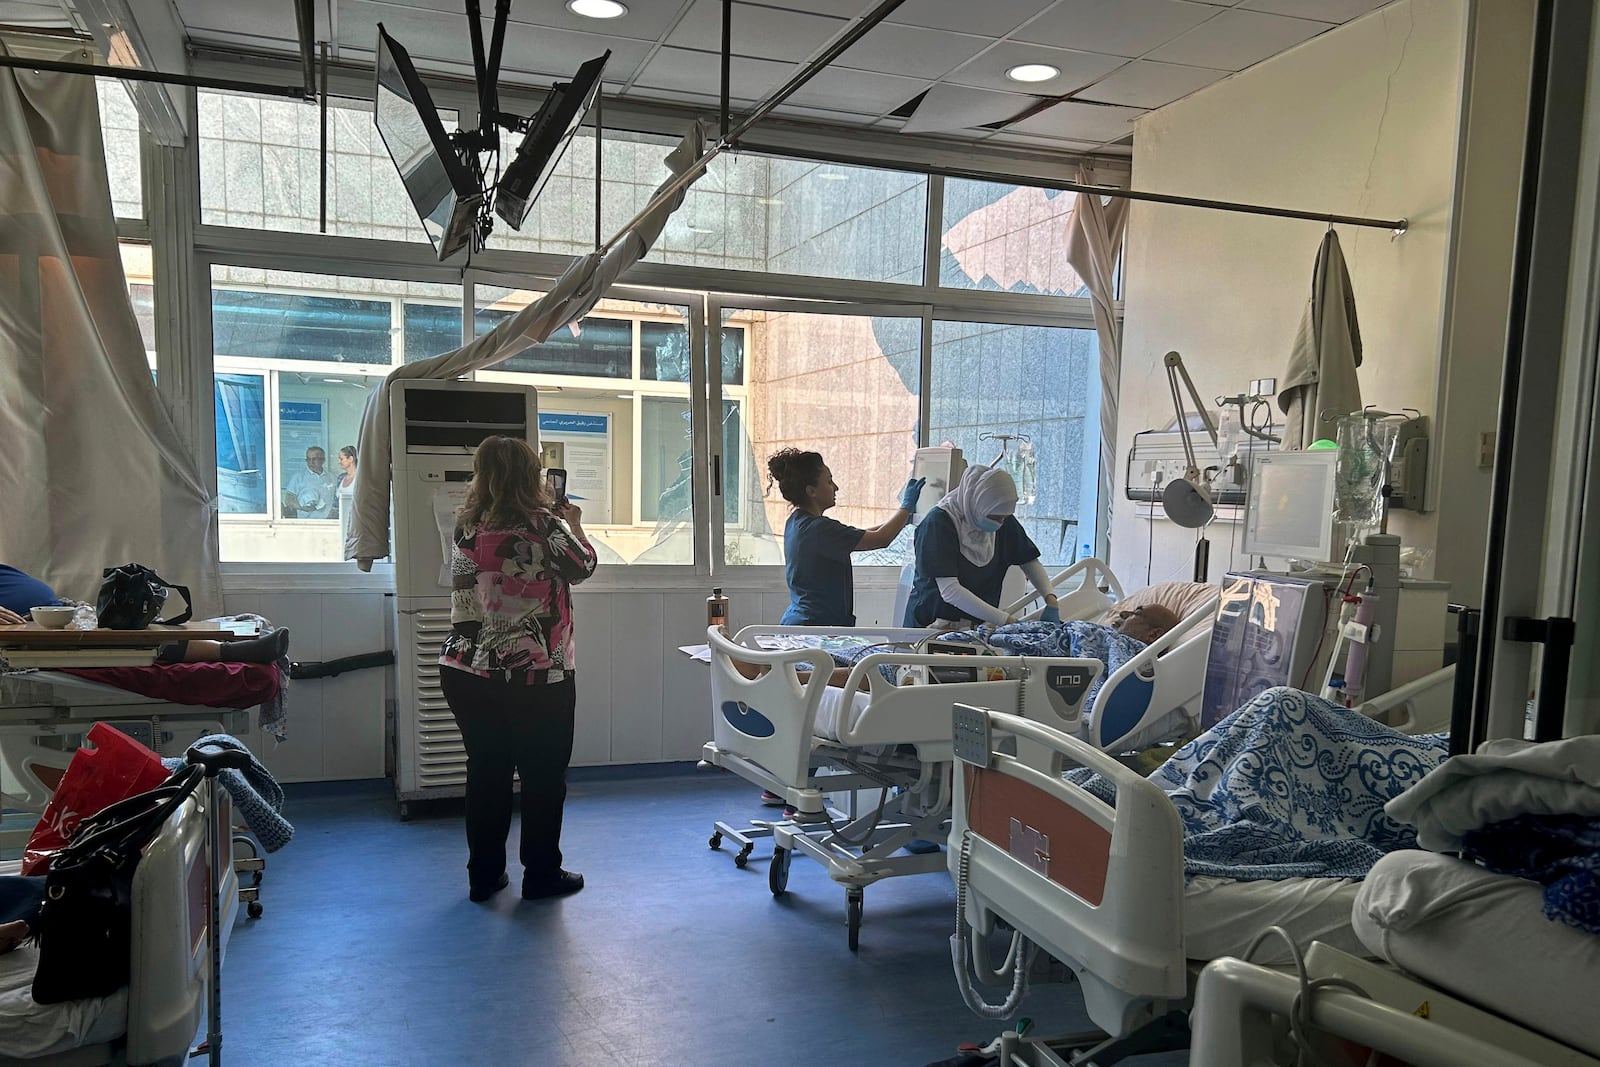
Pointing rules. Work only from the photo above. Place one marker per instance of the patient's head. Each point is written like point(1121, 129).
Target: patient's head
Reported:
point(1145, 623)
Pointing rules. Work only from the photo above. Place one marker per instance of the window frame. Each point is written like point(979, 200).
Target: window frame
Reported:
point(206, 245)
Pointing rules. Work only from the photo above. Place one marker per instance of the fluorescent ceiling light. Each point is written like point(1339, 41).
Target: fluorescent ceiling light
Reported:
point(768, 201)
point(597, 9)
point(1029, 72)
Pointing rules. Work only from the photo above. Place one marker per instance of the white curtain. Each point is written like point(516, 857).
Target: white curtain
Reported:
point(1094, 240)
point(93, 472)
point(572, 296)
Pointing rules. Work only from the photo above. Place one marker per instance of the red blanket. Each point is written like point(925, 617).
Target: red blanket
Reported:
point(211, 685)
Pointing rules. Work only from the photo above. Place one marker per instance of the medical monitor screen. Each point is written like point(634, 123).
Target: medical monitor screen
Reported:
point(546, 142)
point(441, 189)
point(1289, 509)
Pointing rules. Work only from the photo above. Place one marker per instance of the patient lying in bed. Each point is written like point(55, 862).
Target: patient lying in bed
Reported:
point(1290, 786)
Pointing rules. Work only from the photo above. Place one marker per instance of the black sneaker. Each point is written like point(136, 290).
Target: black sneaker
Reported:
point(479, 894)
point(565, 883)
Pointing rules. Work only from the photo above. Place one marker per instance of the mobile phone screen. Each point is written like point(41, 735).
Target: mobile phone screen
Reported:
point(556, 478)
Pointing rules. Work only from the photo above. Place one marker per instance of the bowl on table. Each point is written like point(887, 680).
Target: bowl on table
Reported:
point(52, 618)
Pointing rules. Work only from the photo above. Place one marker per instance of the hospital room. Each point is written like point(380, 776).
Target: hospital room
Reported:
point(1043, 533)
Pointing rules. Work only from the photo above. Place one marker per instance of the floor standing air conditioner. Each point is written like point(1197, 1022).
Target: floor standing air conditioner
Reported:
point(436, 428)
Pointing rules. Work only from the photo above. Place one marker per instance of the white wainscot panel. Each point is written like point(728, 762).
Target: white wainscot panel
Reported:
point(592, 612)
point(637, 652)
point(686, 683)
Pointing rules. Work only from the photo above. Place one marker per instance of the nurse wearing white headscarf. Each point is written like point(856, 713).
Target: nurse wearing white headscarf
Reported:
point(964, 548)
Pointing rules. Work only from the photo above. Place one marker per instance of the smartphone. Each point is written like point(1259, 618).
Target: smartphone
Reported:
point(556, 479)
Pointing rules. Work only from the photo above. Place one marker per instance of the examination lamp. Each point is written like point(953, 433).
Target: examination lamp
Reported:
point(549, 133)
point(1187, 500)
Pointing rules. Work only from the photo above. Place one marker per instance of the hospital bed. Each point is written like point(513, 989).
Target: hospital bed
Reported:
point(1100, 887)
point(154, 1020)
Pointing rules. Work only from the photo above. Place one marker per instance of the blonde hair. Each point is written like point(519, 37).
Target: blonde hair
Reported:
point(507, 485)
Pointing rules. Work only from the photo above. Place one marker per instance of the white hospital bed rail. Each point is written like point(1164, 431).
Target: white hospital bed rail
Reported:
point(1099, 887)
point(1097, 589)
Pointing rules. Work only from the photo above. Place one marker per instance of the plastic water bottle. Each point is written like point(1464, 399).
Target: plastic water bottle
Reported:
point(717, 611)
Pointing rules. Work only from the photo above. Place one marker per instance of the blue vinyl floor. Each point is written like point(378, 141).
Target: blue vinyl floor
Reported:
point(370, 953)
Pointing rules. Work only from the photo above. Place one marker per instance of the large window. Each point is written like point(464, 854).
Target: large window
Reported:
point(615, 410)
point(844, 385)
point(119, 129)
point(1039, 385)
point(296, 355)
point(662, 404)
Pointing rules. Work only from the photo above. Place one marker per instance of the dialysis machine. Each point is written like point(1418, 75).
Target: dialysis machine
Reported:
point(435, 427)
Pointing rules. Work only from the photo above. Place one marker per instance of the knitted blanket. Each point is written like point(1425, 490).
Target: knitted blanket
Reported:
point(256, 794)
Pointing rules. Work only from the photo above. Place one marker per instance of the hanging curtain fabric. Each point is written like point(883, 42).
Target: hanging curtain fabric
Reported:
point(93, 471)
point(1321, 377)
point(1094, 241)
point(572, 297)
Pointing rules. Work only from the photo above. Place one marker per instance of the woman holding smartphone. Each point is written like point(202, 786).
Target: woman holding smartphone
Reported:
point(510, 661)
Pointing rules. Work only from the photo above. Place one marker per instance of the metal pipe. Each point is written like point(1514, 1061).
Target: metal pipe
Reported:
point(599, 162)
point(138, 74)
point(322, 171)
point(1461, 736)
point(1511, 376)
point(727, 65)
point(305, 20)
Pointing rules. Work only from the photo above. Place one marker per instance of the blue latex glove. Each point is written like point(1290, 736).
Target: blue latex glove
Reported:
point(909, 495)
point(1051, 614)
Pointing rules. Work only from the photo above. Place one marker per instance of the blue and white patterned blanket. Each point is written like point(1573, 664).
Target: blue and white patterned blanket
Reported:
point(1079, 640)
point(1561, 852)
point(1290, 786)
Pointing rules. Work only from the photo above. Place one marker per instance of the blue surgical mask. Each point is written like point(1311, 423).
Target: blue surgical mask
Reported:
point(986, 524)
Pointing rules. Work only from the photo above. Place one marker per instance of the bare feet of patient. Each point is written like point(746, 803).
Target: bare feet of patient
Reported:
point(12, 934)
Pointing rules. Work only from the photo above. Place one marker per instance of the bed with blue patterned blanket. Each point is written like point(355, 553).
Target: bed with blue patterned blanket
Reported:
point(1290, 786)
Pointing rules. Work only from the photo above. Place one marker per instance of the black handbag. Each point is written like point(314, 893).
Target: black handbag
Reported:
point(132, 596)
point(85, 926)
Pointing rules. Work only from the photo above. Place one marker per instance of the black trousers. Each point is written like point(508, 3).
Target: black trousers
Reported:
point(510, 727)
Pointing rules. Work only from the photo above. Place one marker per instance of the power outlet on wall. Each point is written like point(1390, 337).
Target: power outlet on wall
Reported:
point(1486, 450)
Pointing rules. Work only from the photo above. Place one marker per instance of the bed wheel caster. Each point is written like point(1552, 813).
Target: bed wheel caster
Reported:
point(778, 872)
point(852, 906)
point(254, 909)
point(743, 856)
point(716, 840)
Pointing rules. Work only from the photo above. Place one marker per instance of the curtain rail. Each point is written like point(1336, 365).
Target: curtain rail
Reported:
point(139, 74)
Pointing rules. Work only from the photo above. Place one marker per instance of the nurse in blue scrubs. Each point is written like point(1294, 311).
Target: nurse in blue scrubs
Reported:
point(964, 547)
point(816, 548)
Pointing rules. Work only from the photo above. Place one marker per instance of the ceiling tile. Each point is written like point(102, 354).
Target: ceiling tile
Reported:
point(992, 18)
point(1235, 40)
point(646, 20)
point(1078, 69)
point(44, 14)
point(684, 71)
point(948, 108)
point(761, 32)
point(823, 114)
point(206, 19)
point(1320, 10)
point(858, 91)
point(1144, 83)
point(912, 52)
point(432, 36)
point(1118, 27)
point(1083, 122)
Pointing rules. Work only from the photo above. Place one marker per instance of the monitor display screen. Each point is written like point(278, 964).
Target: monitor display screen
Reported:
point(1289, 510)
point(546, 142)
point(442, 190)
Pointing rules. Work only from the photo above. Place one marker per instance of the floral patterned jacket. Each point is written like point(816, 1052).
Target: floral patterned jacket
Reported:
point(511, 600)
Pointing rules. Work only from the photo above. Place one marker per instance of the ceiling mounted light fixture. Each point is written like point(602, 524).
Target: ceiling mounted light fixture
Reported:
point(597, 9)
point(1029, 72)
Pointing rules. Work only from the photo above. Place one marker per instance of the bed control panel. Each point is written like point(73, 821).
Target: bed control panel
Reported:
point(971, 735)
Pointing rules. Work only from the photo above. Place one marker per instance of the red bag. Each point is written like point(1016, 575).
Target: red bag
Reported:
point(117, 767)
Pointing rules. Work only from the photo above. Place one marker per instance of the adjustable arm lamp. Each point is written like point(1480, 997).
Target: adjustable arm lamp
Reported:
point(1187, 500)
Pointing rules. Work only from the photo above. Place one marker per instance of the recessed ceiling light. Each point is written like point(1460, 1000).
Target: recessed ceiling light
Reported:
point(1027, 72)
point(597, 9)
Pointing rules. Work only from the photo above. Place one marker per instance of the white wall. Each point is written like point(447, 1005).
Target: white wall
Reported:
point(1362, 121)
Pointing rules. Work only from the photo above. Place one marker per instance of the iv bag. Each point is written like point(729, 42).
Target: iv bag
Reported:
point(1366, 448)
